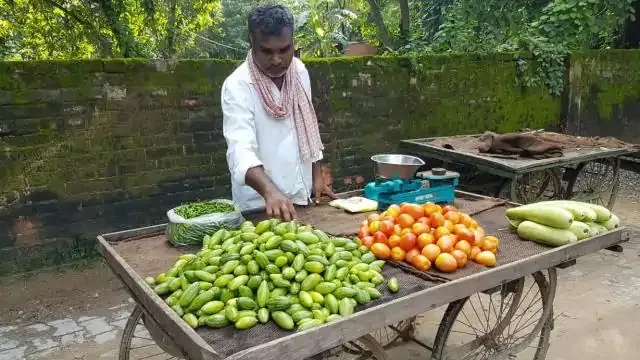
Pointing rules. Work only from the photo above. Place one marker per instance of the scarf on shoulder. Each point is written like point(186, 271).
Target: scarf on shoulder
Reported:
point(295, 102)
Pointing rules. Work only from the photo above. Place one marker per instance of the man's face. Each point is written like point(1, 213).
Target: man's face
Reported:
point(273, 54)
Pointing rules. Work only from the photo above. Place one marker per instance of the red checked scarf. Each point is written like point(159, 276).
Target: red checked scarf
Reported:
point(296, 102)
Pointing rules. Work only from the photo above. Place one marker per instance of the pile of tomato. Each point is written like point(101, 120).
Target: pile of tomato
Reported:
point(428, 235)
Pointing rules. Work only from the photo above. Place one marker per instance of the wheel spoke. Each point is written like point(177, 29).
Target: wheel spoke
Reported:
point(154, 355)
point(143, 346)
point(476, 331)
point(519, 320)
point(137, 343)
point(485, 312)
point(476, 312)
point(595, 182)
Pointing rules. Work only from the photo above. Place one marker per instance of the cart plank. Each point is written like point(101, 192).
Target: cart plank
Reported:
point(305, 344)
point(194, 346)
point(142, 252)
point(508, 167)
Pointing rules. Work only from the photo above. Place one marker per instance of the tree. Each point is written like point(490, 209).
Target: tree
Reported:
point(324, 27)
point(46, 29)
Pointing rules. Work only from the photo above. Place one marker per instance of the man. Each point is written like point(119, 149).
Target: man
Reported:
point(269, 123)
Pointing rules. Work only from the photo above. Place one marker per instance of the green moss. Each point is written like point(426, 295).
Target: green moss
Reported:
point(607, 79)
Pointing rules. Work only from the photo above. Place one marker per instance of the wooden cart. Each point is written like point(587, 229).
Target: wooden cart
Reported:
point(588, 173)
point(492, 312)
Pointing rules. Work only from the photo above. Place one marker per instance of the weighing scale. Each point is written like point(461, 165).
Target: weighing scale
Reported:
point(397, 181)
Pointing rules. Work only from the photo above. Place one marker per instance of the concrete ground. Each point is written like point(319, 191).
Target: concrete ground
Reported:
point(80, 313)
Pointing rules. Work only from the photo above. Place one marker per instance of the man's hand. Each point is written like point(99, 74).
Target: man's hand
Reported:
point(321, 189)
point(280, 207)
point(276, 204)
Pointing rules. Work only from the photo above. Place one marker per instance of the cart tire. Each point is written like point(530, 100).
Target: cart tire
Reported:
point(595, 182)
point(368, 348)
point(133, 329)
point(532, 187)
point(494, 342)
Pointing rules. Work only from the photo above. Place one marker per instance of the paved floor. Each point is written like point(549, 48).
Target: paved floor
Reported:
point(80, 314)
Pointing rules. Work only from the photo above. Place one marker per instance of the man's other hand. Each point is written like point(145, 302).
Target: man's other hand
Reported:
point(320, 189)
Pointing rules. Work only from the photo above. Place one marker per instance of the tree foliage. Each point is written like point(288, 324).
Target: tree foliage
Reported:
point(48, 29)
point(54, 29)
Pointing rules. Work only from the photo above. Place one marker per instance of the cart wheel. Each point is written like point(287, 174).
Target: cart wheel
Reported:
point(366, 347)
point(389, 336)
point(532, 187)
point(138, 343)
point(500, 324)
point(596, 182)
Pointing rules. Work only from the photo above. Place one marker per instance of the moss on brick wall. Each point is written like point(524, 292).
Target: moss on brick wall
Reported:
point(604, 94)
point(375, 102)
point(104, 145)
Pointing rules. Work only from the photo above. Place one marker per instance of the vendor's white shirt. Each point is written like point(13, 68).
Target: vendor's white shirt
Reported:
point(254, 138)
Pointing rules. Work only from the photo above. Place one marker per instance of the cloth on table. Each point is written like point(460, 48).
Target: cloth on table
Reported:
point(521, 144)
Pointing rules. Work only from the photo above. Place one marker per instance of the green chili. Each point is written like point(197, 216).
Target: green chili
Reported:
point(195, 209)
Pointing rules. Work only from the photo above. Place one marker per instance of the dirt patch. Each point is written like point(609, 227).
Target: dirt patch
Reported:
point(52, 294)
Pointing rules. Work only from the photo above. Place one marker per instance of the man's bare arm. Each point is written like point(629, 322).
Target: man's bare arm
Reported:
point(316, 171)
point(319, 187)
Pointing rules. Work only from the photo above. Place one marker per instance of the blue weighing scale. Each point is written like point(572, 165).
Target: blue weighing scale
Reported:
point(403, 185)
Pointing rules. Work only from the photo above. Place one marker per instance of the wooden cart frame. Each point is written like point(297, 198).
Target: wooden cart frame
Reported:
point(168, 329)
point(587, 174)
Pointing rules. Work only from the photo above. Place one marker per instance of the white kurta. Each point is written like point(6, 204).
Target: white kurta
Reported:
point(254, 138)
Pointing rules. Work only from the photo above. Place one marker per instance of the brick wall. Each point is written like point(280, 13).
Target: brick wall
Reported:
point(603, 95)
point(89, 147)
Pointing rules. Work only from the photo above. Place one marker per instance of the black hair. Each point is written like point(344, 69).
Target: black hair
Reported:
point(270, 20)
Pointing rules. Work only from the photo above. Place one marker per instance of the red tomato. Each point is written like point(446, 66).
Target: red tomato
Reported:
point(436, 220)
point(393, 210)
point(445, 262)
point(423, 220)
point(394, 240)
point(420, 228)
point(411, 254)
point(425, 239)
point(431, 252)
point(448, 208)
point(445, 243)
point(414, 210)
point(448, 224)
point(380, 237)
point(452, 216)
point(398, 254)
point(465, 219)
point(374, 226)
point(464, 246)
point(381, 251)
point(442, 231)
point(367, 241)
point(490, 243)
point(420, 262)
point(389, 218)
point(430, 208)
point(364, 231)
point(460, 256)
point(408, 241)
point(467, 235)
point(386, 227)
point(486, 258)
point(479, 235)
point(405, 221)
